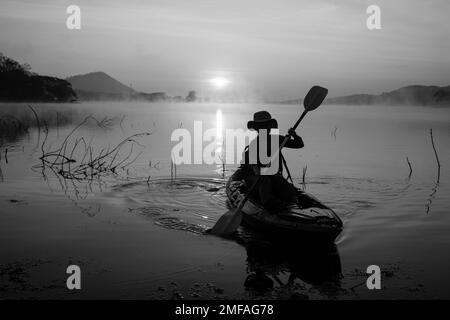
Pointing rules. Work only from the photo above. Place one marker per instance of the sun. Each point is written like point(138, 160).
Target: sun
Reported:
point(219, 82)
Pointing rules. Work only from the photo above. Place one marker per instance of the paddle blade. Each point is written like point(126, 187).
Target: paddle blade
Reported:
point(228, 223)
point(314, 98)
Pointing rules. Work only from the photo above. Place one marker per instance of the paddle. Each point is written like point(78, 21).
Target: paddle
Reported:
point(230, 221)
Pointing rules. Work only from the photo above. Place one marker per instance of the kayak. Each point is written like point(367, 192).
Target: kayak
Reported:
point(308, 218)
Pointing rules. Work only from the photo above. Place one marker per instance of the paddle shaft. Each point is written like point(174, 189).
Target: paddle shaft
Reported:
point(286, 139)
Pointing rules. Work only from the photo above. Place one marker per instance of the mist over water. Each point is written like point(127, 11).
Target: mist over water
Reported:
point(136, 232)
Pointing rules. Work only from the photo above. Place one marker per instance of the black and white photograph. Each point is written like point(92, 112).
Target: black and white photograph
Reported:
point(221, 151)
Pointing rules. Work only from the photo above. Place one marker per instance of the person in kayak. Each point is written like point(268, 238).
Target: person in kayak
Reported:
point(272, 191)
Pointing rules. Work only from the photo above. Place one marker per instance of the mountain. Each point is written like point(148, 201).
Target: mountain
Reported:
point(410, 95)
point(99, 82)
point(99, 86)
point(19, 84)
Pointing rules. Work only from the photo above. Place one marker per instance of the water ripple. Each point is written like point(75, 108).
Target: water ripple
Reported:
point(189, 204)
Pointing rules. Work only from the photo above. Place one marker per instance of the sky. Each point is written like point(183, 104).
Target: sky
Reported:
point(266, 49)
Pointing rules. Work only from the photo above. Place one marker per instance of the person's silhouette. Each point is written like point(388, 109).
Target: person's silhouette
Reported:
point(272, 191)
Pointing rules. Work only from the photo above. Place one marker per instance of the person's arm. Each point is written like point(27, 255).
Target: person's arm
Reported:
point(294, 142)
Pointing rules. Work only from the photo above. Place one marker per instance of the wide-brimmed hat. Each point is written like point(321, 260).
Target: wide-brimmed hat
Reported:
point(262, 120)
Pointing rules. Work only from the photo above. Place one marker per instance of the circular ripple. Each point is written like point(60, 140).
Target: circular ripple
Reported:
point(183, 204)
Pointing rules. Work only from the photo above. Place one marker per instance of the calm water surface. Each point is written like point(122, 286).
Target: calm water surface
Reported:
point(137, 234)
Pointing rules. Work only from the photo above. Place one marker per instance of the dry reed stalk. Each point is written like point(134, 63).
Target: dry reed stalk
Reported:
point(410, 167)
point(435, 153)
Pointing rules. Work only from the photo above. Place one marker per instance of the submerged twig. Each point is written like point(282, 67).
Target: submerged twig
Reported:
point(304, 175)
point(223, 170)
point(431, 196)
point(333, 132)
point(223, 166)
point(436, 186)
point(435, 153)
point(121, 122)
point(37, 122)
point(57, 124)
point(410, 167)
point(173, 170)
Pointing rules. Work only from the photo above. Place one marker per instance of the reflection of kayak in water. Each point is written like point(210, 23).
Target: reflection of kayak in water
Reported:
point(266, 262)
point(308, 218)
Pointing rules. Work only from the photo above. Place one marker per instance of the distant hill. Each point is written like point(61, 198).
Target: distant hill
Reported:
point(410, 95)
point(99, 86)
point(99, 83)
point(19, 84)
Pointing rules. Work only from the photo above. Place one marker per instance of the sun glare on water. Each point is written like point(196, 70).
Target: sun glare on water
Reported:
point(219, 82)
